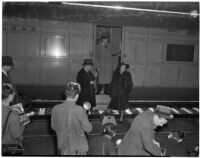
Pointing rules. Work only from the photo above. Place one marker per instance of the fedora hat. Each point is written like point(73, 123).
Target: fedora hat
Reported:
point(7, 61)
point(87, 62)
point(104, 35)
point(164, 111)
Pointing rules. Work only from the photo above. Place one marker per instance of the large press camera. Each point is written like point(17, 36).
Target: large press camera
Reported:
point(24, 116)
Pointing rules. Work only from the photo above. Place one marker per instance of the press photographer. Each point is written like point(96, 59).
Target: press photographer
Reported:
point(12, 128)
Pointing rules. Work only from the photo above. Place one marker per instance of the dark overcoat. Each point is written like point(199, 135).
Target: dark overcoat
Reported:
point(120, 89)
point(87, 93)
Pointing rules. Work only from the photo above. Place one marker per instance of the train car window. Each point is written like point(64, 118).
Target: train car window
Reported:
point(181, 53)
point(55, 46)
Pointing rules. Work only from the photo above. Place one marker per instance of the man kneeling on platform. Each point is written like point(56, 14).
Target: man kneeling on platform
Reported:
point(70, 123)
point(139, 140)
point(104, 145)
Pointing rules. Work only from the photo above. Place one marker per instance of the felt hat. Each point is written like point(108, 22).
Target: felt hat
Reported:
point(178, 133)
point(87, 62)
point(164, 111)
point(7, 61)
point(104, 35)
point(108, 117)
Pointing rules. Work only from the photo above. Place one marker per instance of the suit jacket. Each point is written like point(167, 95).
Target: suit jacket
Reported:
point(70, 122)
point(138, 141)
point(87, 93)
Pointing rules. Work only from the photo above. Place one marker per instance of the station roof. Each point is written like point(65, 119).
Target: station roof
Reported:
point(58, 11)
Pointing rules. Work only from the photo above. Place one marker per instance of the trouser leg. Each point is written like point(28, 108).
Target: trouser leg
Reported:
point(121, 116)
point(58, 151)
point(106, 89)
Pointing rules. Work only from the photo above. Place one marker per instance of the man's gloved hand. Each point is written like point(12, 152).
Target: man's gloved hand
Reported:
point(163, 152)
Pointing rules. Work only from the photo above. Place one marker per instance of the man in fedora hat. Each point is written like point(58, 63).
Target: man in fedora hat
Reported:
point(105, 62)
point(87, 81)
point(139, 140)
point(7, 67)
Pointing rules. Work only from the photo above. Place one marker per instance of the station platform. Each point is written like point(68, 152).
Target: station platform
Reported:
point(40, 139)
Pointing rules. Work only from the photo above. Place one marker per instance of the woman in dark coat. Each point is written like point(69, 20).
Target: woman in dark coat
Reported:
point(87, 81)
point(120, 88)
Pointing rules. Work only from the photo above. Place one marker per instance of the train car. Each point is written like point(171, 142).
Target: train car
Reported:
point(49, 52)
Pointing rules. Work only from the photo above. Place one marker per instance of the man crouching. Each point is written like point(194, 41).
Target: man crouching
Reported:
point(70, 123)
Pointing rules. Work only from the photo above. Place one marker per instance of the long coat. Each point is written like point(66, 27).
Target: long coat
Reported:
point(138, 141)
point(120, 89)
point(87, 93)
point(105, 61)
point(70, 121)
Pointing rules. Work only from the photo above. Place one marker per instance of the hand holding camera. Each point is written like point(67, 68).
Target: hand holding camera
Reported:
point(87, 105)
point(25, 118)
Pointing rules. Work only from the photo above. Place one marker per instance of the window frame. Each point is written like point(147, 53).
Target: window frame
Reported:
point(179, 42)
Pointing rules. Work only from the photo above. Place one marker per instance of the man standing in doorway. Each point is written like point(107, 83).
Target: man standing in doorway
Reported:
point(104, 62)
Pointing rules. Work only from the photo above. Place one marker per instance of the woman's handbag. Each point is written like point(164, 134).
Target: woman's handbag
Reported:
point(10, 149)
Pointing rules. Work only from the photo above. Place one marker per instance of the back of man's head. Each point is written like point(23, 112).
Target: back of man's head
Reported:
point(109, 129)
point(72, 90)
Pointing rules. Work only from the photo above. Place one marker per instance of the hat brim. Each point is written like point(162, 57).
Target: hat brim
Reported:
point(87, 64)
point(8, 64)
point(169, 117)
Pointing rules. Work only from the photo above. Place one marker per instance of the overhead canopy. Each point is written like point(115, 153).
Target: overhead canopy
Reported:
point(58, 11)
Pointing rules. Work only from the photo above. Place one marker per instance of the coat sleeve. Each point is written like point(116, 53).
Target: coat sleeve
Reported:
point(52, 119)
point(147, 137)
point(97, 56)
point(130, 83)
point(113, 84)
point(16, 127)
point(83, 80)
point(85, 123)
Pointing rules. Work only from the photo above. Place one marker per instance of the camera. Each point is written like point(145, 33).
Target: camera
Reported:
point(25, 118)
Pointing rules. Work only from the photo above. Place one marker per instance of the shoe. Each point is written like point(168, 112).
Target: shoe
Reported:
point(128, 111)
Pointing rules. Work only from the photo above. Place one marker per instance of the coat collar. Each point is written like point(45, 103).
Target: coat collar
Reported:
point(4, 72)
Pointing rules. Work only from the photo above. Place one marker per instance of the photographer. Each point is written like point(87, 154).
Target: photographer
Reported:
point(12, 128)
point(104, 144)
point(70, 123)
